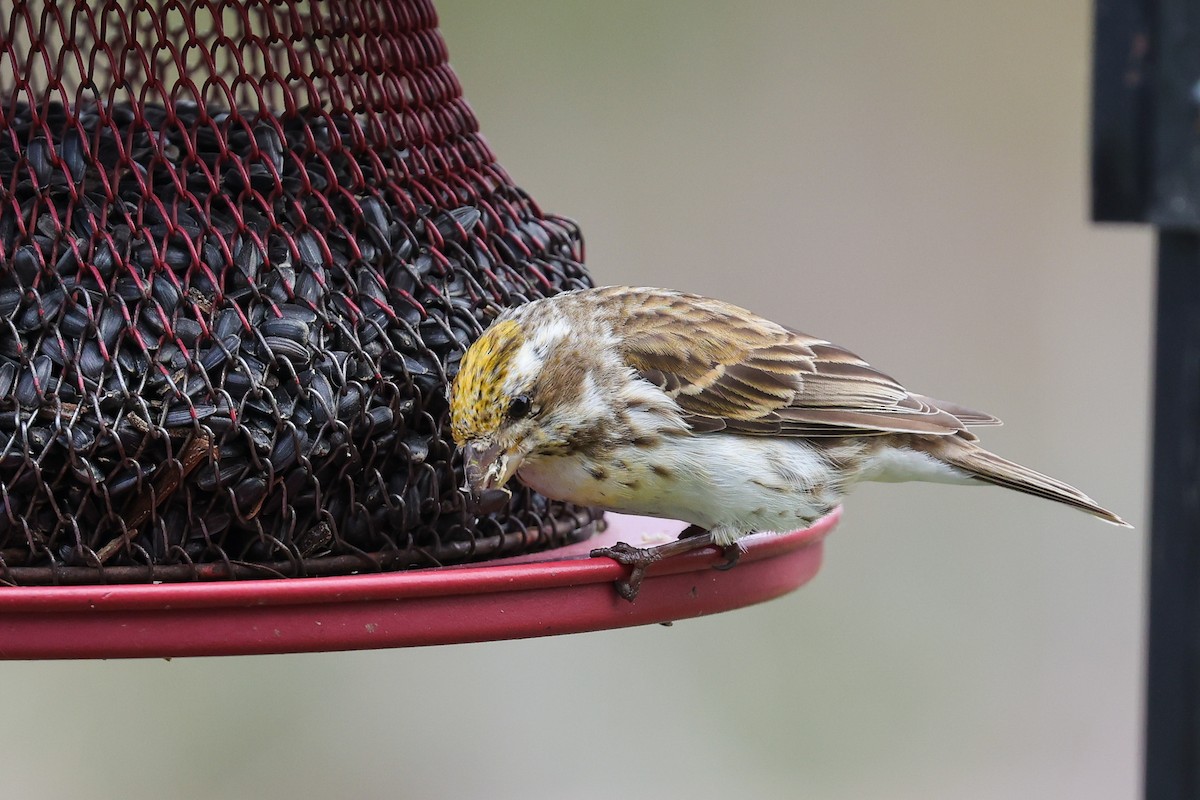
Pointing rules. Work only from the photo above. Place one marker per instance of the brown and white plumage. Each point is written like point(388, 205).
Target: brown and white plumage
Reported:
point(657, 402)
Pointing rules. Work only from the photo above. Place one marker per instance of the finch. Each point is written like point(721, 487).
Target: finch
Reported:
point(666, 404)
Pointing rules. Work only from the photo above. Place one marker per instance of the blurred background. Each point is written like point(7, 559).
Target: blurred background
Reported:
point(906, 179)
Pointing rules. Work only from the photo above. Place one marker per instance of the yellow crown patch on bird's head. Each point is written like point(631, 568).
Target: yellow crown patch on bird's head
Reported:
point(477, 404)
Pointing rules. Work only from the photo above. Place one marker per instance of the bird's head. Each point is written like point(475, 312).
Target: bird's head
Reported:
point(520, 393)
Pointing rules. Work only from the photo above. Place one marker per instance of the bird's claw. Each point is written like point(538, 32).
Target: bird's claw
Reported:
point(732, 553)
point(637, 557)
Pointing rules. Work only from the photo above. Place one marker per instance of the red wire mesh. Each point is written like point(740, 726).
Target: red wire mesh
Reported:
point(243, 244)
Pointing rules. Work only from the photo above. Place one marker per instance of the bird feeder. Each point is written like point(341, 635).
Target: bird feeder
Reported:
point(242, 247)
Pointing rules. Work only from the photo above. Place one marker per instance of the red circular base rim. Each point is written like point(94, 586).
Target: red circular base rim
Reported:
point(553, 592)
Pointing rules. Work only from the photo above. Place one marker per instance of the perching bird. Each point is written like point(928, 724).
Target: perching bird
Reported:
point(655, 402)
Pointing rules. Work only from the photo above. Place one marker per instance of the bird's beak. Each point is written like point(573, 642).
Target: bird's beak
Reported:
point(487, 469)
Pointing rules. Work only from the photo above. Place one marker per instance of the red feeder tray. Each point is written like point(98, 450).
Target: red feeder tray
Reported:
point(559, 591)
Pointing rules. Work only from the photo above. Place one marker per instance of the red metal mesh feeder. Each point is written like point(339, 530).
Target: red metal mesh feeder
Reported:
point(243, 245)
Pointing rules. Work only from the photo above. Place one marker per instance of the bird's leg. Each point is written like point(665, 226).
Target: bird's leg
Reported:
point(732, 552)
point(640, 558)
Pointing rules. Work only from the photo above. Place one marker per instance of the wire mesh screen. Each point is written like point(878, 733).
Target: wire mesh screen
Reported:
point(243, 244)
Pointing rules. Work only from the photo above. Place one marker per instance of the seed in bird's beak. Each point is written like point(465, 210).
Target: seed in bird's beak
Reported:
point(485, 469)
point(489, 501)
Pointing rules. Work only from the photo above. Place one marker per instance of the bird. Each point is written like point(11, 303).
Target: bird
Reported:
point(661, 403)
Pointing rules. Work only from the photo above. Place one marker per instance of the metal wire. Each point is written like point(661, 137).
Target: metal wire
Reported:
point(242, 248)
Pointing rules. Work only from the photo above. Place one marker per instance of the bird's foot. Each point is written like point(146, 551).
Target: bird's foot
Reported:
point(637, 557)
point(640, 558)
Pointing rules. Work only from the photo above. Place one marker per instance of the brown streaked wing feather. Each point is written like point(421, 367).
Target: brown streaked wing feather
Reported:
point(731, 370)
point(967, 416)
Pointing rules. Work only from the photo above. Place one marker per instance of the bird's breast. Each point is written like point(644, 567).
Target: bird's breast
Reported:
point(735, 484)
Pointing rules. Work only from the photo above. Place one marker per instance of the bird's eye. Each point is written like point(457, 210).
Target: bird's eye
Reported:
point(520, 407)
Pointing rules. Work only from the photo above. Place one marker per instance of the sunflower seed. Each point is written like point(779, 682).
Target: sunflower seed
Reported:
point(67, 262)
point(222, 473)
point(72, 155)
point(460, 220)
point(310, 249)
point(177, 256)
point(10, 300)
point(8, 377)
point(59, 350)
point(26, 263)
point(318, 386)
point(78, 438)
point(130, 360)
point(75, 321)
point(187, 330)
point(376, 221)
point(185, 414)
point(376, 419)
point(167, 294)
point(91, 360)
point(350, 402)
point(287, 349)
point(213, 357)
point(226, 323)
point(418, 447)
point(288, 327)
point(288, 446)
point(249, 492)
point(26, 392)
point(122, 482)
point(270, 146)
point(37, 153)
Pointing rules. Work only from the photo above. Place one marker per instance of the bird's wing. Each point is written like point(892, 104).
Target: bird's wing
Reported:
point(729, 369)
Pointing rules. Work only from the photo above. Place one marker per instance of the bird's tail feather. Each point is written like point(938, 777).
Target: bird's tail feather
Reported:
point(989, 467)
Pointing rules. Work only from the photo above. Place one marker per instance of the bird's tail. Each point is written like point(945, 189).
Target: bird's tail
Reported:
point(991, 468)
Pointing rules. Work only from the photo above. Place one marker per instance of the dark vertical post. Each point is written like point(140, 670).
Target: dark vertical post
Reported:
point(1173, 675)
point(1121, 112)
point(1146, 168)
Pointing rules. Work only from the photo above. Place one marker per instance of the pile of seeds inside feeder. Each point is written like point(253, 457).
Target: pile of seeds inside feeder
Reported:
point(225, 342)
